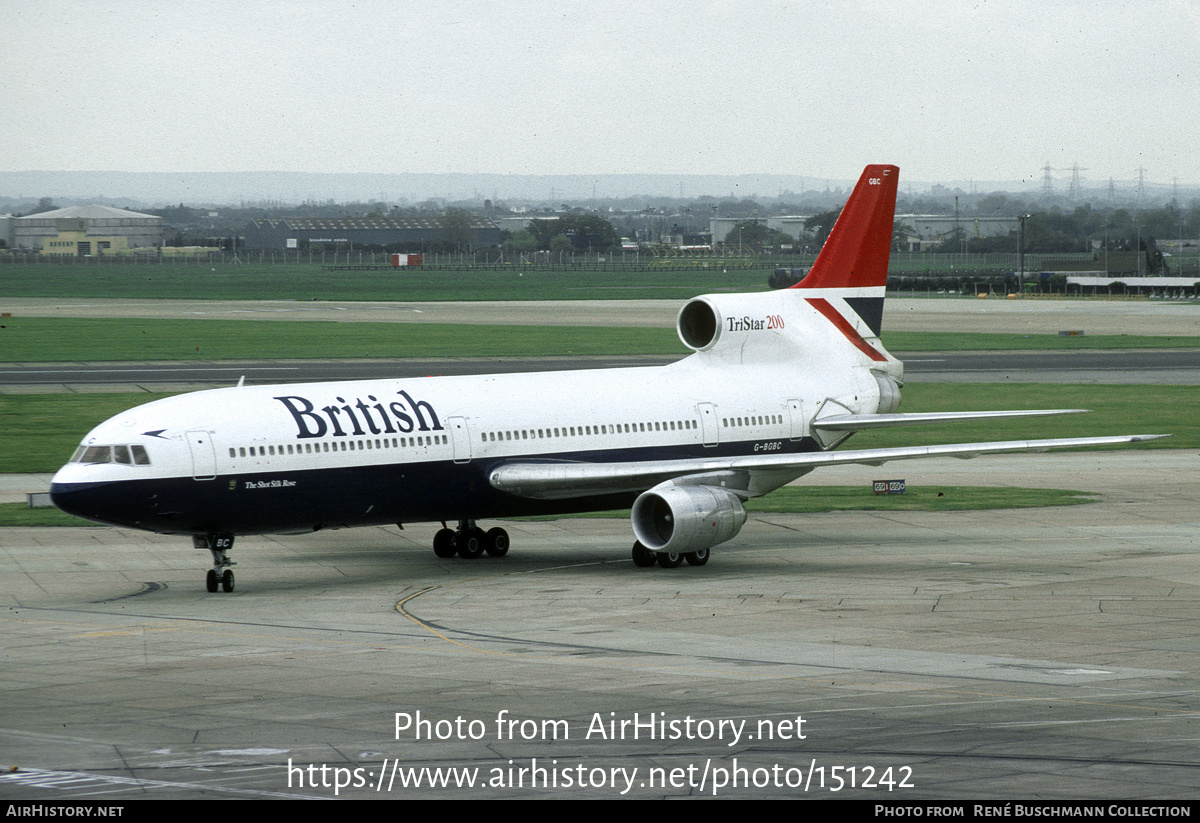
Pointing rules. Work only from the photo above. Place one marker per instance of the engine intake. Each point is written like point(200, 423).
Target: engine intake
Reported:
point(682, 519)
point(698, 324)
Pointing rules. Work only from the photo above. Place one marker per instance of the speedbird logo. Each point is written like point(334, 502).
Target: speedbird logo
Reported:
point(368, 416)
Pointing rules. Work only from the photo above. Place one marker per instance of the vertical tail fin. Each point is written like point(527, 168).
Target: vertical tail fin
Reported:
point(854, 259)
point(852, 266)
point(856, 253)
point(850, 276)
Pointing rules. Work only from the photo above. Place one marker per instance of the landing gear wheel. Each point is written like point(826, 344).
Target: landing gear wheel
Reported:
point(669, 560)
point(496, 542)
point(220, 545)
point(697, 558)
point(642, 557)
point(470, 543)
point(443, 543)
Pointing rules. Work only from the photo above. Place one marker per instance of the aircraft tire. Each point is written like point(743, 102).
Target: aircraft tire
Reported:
point(642, 557)
point(470, 543)
point(211, 580)
point(496, 542)
point(697, 558)
point(443, 543)
point(227, 580)
point(669, 560)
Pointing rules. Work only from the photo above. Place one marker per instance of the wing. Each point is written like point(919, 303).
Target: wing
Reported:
point(551, 480)
point(862, 422)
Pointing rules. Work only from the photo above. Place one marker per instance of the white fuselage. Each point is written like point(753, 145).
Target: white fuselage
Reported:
point(319, 455)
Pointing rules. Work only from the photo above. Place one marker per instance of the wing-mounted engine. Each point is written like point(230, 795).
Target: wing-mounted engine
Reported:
point(678, 519)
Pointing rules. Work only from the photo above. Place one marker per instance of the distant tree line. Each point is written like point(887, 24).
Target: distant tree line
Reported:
point(1084, 230)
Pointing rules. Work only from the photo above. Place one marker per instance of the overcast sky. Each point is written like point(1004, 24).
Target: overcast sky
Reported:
point(948, 90)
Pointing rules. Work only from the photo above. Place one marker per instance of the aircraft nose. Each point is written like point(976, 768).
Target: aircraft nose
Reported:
point(100, 501)
point(79, 499)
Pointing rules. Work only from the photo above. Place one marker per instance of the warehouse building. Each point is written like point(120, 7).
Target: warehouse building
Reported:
point(87, 230)
point(386, 233)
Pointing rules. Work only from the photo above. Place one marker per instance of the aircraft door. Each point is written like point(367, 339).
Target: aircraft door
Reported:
point(460, 437)
point(796, 422)
point(708, 422)
point(204, 456)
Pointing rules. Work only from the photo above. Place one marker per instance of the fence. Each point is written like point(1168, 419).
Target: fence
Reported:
point(632, 259)
point(903, 264)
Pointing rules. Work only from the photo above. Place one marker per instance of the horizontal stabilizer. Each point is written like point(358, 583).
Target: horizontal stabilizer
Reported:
point(862, 422)
point(551, 481)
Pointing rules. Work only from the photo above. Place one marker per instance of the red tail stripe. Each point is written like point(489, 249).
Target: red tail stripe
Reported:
point(835, 317)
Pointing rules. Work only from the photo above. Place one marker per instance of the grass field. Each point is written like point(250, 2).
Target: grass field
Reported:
point(65, 339)
point(151, 281)
point(59, 339)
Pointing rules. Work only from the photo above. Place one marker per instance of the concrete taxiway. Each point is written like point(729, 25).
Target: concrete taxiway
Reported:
point(993, 315)
point(1046, 653)
point(1049, 653)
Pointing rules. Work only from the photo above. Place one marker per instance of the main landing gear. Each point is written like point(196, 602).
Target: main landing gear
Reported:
point(644, 557)
point(220, 574)
point(469, 541)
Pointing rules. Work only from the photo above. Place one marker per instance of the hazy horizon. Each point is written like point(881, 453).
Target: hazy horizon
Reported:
point(990, 91)
point(157, 189)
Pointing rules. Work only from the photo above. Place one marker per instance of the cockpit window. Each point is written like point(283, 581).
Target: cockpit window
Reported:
point(127, 455)
point(97, 454)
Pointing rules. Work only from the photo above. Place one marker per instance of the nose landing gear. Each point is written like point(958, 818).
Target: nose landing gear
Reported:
point(220, 574)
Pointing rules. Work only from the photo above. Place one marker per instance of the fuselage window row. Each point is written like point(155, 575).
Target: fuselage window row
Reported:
point(342, 445)
point(758, 420)
point(586, 431)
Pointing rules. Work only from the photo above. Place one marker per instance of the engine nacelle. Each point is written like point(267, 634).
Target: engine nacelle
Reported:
point(683, 519)
point(889, 393)
point(705, 321)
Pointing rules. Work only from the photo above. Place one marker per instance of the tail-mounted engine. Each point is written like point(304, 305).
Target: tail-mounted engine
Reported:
point(683, 519)
point(698, 324)
point(889, 393)
point(705, 321)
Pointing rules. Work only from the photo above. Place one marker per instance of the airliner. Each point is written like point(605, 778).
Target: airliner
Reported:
point(776, 381)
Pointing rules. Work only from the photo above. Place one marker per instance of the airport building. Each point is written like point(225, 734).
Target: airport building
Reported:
point(83, 231)
point(931, 230)
point(792, 225)
point(390, 233)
